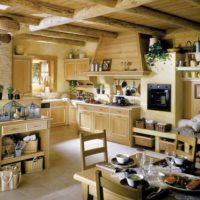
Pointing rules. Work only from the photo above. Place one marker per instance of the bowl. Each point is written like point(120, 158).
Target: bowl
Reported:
point(122, 158)
point(179, 160)
point(134, 179)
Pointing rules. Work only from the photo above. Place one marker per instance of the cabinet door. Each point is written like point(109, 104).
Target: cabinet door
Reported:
point(45, 112)
point(85, 120)
point(22, 74)
point(101, 122)
point(72, 115)
point(82, 65)
point(70, 70)
point(119, 129)
point(58, 115)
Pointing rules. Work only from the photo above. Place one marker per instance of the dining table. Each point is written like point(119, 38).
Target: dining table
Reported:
point(87, 179)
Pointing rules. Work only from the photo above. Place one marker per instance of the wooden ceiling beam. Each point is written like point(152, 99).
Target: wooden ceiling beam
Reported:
point(40, 38)
point(162, 16)
point(128, 25)
point(40, 7)
point(84, 31)
point(193, 2)
point(109, 3)
point(21, 18)
point(90, 12)
point(49, 33)
point(8, 24)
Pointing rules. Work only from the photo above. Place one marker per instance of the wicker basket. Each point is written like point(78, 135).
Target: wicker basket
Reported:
point(140, 123)
point(167, 146)
point(34, 165)
point(8, 150)
point(146, 141)
point(31, 147)
point(162, 127)
point(150, 125)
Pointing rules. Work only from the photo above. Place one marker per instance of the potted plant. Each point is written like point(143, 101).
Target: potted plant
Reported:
point(1, 91)
point(98, 87)
point(156, 52)
point(10, 92)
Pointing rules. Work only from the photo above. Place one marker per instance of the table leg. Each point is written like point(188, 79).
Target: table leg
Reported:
point(85, 192)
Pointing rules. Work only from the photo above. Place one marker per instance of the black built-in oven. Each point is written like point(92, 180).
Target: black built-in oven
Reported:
point(159, 97)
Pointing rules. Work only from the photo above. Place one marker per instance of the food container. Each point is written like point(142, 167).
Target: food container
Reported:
point(122, 158)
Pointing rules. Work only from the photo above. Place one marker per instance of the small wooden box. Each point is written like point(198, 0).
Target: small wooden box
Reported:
point(146, 141)
point(167, 146)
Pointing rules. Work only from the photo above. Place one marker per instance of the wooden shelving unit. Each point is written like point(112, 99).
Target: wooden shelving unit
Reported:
point(192, 69)
point(23, 157)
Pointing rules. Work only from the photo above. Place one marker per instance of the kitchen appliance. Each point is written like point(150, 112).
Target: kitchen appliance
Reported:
point(159, 97)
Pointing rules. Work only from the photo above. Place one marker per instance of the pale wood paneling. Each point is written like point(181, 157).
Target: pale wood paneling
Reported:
point(124, 48)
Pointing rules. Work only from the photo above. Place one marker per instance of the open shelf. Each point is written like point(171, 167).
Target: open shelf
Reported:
point(188, 68)
point(119, 73)
point(23, 157)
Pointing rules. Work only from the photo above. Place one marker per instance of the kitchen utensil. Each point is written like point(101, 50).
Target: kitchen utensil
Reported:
point(124, 84)
point(128, 92)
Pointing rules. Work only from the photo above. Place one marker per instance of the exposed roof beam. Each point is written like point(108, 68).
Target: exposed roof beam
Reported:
point(148, 12)
point(8, 24)
point(49, 33)
point(91, 12)
point(40, 38)
point(193, 2)
point(128, 25)
point(21, 18)
point(41, 7)
point(84, 31)
point(109, 3)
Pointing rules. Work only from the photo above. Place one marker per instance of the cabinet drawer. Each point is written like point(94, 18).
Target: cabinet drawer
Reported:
point(85, 107)
point(37, 126)
point(13, 129)
point(119, 111)
point(101, 109)
point(57, 103)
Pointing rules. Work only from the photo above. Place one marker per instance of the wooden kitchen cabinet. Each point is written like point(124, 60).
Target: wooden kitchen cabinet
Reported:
point(85, 120)
point(22, 81)
point(119, 128)
point(101, 121)
point(46, 112)
point(74, 68)
point(72, 115)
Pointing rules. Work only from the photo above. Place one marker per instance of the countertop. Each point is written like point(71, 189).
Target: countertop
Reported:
point(75, 101)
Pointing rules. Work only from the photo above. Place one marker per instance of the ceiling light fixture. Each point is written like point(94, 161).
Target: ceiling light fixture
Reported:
point(4, 7)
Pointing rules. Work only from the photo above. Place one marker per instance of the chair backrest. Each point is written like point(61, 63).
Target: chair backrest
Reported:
point(189, 147)
point(87, 136)
point(125, 191)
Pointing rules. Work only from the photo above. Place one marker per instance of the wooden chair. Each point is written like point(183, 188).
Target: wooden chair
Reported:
point(125, 191)
point(189, 147)
point(87, 136)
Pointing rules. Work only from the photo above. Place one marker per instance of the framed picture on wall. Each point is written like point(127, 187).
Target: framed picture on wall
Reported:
point(106, 65)
point(197, 91)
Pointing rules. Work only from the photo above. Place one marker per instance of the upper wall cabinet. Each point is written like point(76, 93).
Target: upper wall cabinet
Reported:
point(22, 73)
point(74, 68)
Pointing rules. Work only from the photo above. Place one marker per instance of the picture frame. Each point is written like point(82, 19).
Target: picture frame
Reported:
point(197, 91)
point(106, 65)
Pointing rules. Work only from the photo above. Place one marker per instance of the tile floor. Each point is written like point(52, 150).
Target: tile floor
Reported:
point(57, 182)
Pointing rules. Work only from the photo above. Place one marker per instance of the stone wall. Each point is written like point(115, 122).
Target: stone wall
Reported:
point(5, 66)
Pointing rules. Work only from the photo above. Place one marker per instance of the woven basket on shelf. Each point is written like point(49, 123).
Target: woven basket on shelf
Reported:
point(167, 146)
point(31, 147)
point(150, 125)
point(162, 127)
point(140, 123)
point(34, 165)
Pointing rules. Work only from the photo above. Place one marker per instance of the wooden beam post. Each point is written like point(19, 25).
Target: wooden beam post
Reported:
point(193, 2)
point(49, 33)
point(40, 38)
point(148, 12)
point(128, 25)
point(84, 31)
point(109, 3)
point(8, 24)
point(42, 7)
